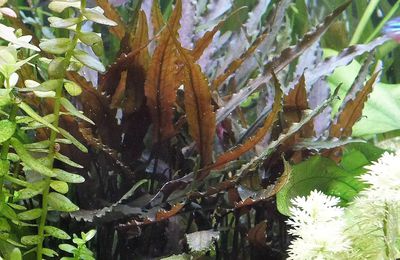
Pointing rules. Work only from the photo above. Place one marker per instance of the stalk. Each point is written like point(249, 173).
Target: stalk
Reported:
point(6, 144)
point(364, 21)
point(53, 136)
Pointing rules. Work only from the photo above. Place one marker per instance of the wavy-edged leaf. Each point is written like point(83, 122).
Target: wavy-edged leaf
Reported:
point(161, 82)
point(256, 161)
point(31, 162)
point(118, 30)
point(239, 150)
point(199, 110)
point(162, 215)
point(205, 41)
point(157, 19)
point(235, 64)
point(277, 64)
point(352, 110)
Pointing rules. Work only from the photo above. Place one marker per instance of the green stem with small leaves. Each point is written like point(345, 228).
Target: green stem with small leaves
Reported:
point(53, 136)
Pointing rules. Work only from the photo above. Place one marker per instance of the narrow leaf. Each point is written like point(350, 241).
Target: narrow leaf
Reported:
point(239, 150)
point(31, 162)
point(75, 112)
point(352, 110)
point(25, 107)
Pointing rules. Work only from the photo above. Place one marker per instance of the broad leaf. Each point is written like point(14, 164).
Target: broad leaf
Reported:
point(95, 15)
point(56, 46)
point(30, 214)
point(7, 129)
point(89, 61)
point(61, 203)
point(56, 232)
point(59, 5)
point(119, 29)
point(30, 240)
point(201, 241)
point(59, 186)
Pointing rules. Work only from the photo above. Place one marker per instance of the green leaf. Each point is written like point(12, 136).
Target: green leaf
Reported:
point(322, 174)
point(16, 254)
point(35, 116)
point(67, 248)
point(95, 15)
point(57, 22)
point(380, 113)
point(89, 235)
point(90, 38)
point(7, 129)
point(27, 193)
point(60, 5)
point(66, 160)
point(56, 232)
point(49, 252)
point(89, 61)
point(30, 214)
point(30, 240)
point(72, 88)
point(56, 46)
point(4, 167)
point(59, 186)
point(73, 140)
point(4, 225)
point(68, 177)
point(57, 68)
point(31, 162)
point(73, 111)
point(59, 202)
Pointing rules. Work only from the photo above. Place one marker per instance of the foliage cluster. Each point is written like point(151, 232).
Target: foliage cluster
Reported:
point(205, 112)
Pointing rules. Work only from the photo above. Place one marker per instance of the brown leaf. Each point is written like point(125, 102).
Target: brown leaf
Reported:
point(157, 19)
point(141, 38)
point(280, 62)
point(119, 91)
point(352, 110)
point(112, 14)
point(162, 82)
point(257, 235)
point(240, 149)
point(162, 214)
point(204, 41)
point(199, 110)
point(234, 65)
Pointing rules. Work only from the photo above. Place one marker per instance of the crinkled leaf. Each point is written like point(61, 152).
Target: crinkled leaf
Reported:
point(201, 241)
point(161, 83)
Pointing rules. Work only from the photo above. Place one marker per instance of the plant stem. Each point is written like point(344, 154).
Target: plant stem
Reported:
point(53, 135)
point(363, 22)
point(383, 21)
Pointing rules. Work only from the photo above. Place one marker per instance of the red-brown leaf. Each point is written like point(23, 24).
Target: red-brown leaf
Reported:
point(162, 82)
point(239, 150)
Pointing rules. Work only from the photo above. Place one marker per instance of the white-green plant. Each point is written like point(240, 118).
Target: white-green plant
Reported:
point(368, 228)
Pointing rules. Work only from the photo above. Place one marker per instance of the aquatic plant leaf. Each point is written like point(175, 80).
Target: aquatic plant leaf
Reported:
point(239, 150)
point(352, 110)
point(161, 82)
point(280, 62)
